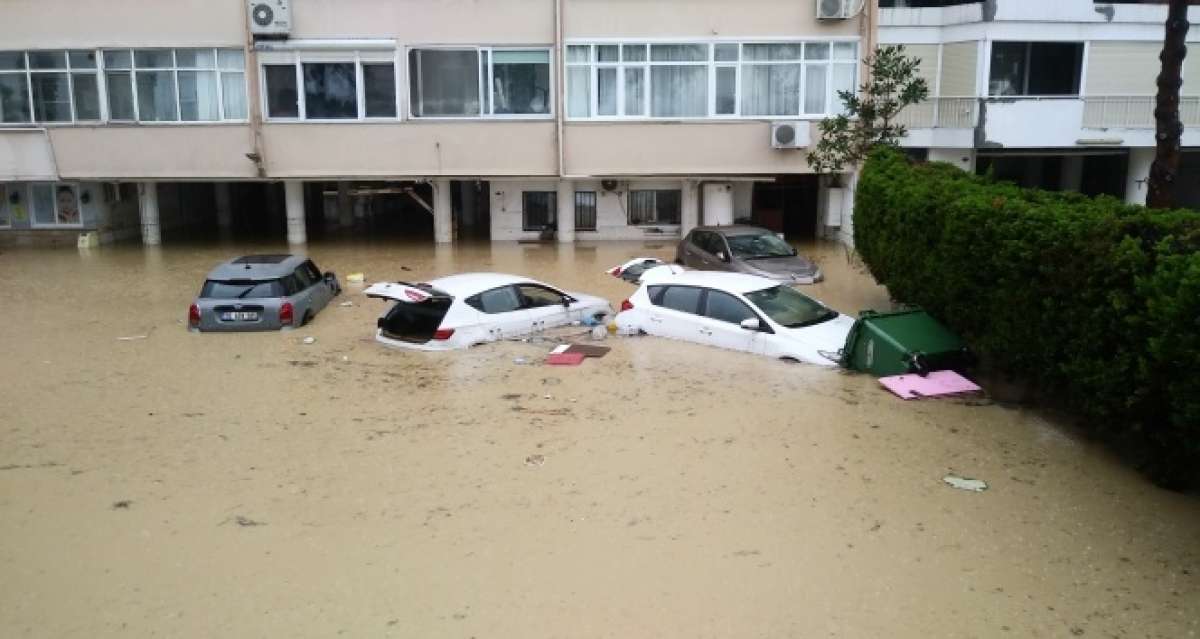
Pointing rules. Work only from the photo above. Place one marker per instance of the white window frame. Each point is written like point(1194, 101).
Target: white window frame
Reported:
point(29, 72)
point(297, 59)
point(486, 102)
point(54, 186)
point(629, 206)
point(712, 64)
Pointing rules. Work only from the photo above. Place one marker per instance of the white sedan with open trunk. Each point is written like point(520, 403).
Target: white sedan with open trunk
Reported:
point(735, 311)
point(463, 310)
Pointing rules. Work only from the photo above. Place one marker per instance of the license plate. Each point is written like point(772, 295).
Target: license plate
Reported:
point(239, 316)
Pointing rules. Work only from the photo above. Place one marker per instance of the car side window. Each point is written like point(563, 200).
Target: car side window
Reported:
point(726, 308)
point(302, 275)
point(498, 300)
point(313, 272)
point(291, 285)
point(534, 296)
point(685, 299)
point(700, 239)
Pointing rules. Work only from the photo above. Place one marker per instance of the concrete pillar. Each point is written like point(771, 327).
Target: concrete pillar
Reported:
point(1135, 177)
point(293, 191)
point(689, 214)
point(224, 206)
point(148, 212)
point(443, 216)
point(566, 211)
point(345, 207)
point(1072, 173)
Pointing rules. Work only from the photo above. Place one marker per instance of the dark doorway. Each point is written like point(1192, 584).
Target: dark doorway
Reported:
point(472, 209)
point(1104, 175)
point(788, 205)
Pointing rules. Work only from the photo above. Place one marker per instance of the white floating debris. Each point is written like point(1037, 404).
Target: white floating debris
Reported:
point(132, 338)
point(346, 304)
point(310, 340)
point(966, 483)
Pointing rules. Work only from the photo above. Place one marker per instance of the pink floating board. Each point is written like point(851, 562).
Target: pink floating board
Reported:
point(935, 384)
point(565, 359)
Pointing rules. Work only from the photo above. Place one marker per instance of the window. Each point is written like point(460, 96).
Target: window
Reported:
point(48, 86)
point(726, 308)
point(5, 216)
point(498, 300)
point(55, 205)
point(690, 80)
point(585, 210)
point(175, 85)
point(685, 299)
point(301, 87)
point(654, 207)
point(538, 209)
point(533, 296)
point(480, 82)
point(1035, 68)
point(708, 242)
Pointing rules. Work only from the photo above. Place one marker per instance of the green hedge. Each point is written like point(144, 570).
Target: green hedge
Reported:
point(1091, 301)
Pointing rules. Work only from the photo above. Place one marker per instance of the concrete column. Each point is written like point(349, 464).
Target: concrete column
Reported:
point(1072, 173)
point(293, 191)
point(689, 214)
point(224, 206)
point(148, 212)
point(566, 211)
point(1135, 177)
point(345, 208)
point(443, 216)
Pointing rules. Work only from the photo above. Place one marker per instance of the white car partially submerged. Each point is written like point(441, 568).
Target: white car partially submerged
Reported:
point(735, 311)
point(464, 310)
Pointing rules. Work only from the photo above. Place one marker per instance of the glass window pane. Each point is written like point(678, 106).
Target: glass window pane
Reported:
point(726, 90)
point(14, 98)
point(814, 88)
point(51, 97)
point(726, 308)
point(233, 93)
point(231, 59)
point(585, 210)
point(679, 91)
point(117, 59)
point(12, 60)
point(633, 52)
point(83, 59)
point(667, 206)
point(538, 209)
point(816, 51)
point(66, 204)
point(446, 83)
point(43, 204)
point(120, 95)
point(47, 59)
point(156, 96)
point(578, 53)
point(330, 91)
point(87, 96)
point(679, 52)
point(483, 82)
point(521, 82)
point(843, 80)
point(579, 92)
point(607, 53)
point(153, 58)
point(685, 299)
point(4, 216)
point(379, 90)
point(606, 91)
point(198, 99)
point(771, 89)
point(195, 58)
point(1008, 68)
point(771, 52)
point(726, 52)
point(844, 50)
point(635, 91)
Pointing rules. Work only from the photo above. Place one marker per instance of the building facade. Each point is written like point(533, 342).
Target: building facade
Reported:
point(502, 119)
point(1057, 95)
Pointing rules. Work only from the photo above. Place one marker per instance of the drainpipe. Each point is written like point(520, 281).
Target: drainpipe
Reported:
point(560, 84)
point(257, 152)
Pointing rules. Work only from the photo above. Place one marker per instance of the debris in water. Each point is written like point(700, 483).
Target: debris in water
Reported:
point(346, 304)
point(589, 351)
point(132, 338)
point(966, 483)
point(356, 278)
point(123, 504)
point(565, 359)
point(535, 460)
point(310, 340)
point(345, 358)
point(243, 521)
point(520, 360)
point(935, 384)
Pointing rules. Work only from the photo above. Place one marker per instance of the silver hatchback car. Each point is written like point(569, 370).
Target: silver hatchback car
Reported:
point(262, 293)
point(745, 249)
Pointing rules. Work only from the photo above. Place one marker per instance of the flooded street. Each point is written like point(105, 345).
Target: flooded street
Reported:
point(251, 485)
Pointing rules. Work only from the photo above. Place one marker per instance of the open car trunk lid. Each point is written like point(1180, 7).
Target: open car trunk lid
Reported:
point(417, 314)
point(405, 292)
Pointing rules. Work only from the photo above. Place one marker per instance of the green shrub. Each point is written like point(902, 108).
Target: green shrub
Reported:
point(1092, 301)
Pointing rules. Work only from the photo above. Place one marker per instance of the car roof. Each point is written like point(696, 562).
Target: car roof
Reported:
point(257, 267)
point(466, 284)
point(740, 283)
point(735, 229)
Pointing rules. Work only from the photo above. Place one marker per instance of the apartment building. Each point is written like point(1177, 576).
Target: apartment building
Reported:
point(446, 119)
point(1057, 95)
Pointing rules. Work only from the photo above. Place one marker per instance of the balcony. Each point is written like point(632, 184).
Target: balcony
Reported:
point(1133, 112)
point(943, 113)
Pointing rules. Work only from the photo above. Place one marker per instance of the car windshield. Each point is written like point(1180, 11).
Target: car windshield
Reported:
point(241, 289)
point(790, 308)
point(762, 245)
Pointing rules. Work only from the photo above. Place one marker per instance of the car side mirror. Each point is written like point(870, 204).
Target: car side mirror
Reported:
point(330, 276)
point(751, 324)
point(566, 301)
point(722, 256)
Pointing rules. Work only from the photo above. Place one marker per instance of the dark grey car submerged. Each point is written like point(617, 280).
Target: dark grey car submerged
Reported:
point(262, 293)
point(745, 249)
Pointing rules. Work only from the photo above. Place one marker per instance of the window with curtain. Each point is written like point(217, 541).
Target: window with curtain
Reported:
point(171, 85)
point(62, 86)
point(330, 90)
point(480, 82)
point(299, 88)
point(585, 210)
point(520, 82)
point(538, 209)
point(445, 82)
point(649, 207)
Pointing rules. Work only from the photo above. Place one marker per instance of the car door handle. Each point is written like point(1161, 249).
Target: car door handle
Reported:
point(705, 331)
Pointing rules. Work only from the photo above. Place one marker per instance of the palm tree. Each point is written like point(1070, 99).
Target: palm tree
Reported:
point(1168, 127)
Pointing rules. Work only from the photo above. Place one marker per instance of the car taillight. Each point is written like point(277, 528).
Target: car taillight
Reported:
point(286, 313)
point(193, 315)
point(626, 306)
point(443, 334)
point(615, 272)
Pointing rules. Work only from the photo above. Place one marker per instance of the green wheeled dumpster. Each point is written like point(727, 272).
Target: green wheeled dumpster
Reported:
point(900, 342)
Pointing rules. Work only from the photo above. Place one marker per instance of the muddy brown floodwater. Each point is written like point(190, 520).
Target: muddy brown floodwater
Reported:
point(253, 486)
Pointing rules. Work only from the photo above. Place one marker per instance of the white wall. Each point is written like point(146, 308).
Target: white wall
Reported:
point(611, 210)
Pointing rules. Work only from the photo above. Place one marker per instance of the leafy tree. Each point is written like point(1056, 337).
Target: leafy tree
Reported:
point(869, 116)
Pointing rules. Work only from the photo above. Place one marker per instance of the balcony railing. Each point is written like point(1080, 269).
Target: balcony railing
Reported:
point(945, 113)
point(1132, 111)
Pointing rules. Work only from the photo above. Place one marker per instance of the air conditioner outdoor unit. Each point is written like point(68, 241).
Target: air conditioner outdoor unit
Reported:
point(272, 18)
point(833, 9)
point(789, 135)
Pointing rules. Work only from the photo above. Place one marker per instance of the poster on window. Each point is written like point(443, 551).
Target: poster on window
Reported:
point(67, 204)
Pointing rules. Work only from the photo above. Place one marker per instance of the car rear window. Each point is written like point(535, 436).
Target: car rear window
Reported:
point(414, 322)
point(241, 289)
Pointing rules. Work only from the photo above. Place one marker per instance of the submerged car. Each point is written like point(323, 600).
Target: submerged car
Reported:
point(737, 312)
point(464, 310)
point(745, 249)
point(262, 293)
point(632, 270)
